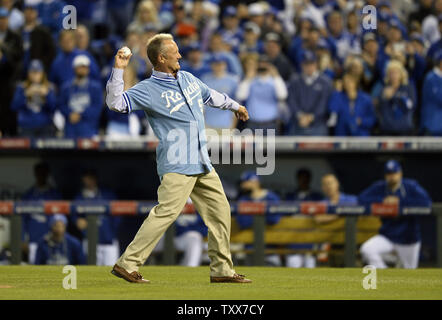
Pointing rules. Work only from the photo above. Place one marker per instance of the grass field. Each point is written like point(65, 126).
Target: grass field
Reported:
point(174, 283)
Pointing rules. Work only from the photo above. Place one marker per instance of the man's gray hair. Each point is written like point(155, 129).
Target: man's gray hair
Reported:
point(155, 46)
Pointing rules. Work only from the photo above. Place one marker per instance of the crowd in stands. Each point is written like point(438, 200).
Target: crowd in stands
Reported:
point(302, 67)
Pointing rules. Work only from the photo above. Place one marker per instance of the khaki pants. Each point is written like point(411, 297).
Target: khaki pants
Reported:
point(210, 201)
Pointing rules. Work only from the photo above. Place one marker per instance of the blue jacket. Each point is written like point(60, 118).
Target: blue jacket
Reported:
point(34, 112)
point(35, 226)
point(402, 229)
point(246, 221)
point(310, 99)
point(396, 114)
point(87, 100)
point(62, 70)
point(431, 113)
point(66, 252)
point(190, 222)
point(363, 109)
point(107, 224)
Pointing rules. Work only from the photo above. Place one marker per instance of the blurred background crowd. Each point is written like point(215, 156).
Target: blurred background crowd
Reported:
point(301, 67)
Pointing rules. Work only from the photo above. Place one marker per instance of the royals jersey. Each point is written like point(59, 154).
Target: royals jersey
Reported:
point(175, 111)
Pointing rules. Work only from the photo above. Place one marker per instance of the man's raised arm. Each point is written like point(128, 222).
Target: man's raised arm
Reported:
point(116, 99)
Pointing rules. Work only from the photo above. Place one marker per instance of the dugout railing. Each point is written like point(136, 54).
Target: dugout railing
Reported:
point(15, 211)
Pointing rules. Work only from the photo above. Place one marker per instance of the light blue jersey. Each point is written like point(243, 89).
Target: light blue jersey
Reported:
point(174, 108)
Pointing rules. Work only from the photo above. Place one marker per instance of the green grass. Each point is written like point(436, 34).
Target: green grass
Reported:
point(174, 283)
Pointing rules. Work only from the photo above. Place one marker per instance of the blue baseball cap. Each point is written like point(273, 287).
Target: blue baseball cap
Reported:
point(35, 65)
point(4, 12)
point(392, 166)
point(230, 11)
point(394, 23)
point(248, 176)
point(58, 217)
point(308, 56)
point(383, 16)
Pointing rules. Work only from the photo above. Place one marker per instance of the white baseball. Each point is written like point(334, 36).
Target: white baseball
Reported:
point(126, 51)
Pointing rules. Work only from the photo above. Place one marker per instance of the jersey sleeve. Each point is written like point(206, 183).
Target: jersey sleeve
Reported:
point(138, 97)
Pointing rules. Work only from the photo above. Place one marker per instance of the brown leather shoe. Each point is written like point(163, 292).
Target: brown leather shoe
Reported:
point(236, 278)
point(134, 277)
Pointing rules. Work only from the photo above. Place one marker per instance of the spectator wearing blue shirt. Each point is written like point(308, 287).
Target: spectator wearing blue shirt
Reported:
point(308, 42)
point(218, 46)
point(251, 190)
point(352, 112)
point(304, 192)
point(230, 30)
point(58, 247)
point(250, 40)
point(61, 68)
point(332, 196)
point(262, 90)
point(108, 249)
point(431, 112)
point(402, 234)
point(435, 47)
point(221, 81)
point(340, 40)
point(35, 226)
point(308, 98)
point(396, 101)
point(81, 101)
point(34, 101)
point(194, 62)
point(38, 43)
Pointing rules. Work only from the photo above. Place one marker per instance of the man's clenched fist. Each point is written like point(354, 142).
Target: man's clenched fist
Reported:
point(122, 58)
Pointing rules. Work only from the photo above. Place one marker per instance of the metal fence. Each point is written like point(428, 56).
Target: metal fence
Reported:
point(92, 209)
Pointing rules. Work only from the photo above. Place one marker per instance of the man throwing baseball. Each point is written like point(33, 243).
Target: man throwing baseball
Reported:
point(173, 102)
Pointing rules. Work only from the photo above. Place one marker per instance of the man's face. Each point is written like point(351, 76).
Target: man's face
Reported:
point(171, 56)
point(218, 67)
point(371, 46)
point(272, 48)
point(67, 42)
point(230, 22)
point(309, 68)
point(30, 15)
point(330, 185)
point(82, 71)
point(335, 23)
point(89, 182)
point(58, 228)
point(393, 179)
point(249, 185)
